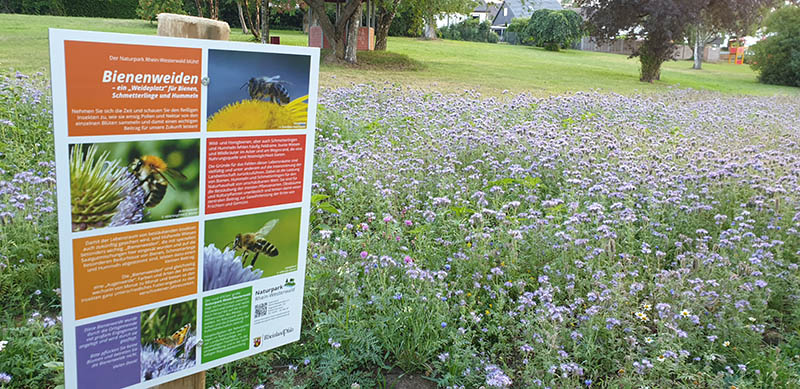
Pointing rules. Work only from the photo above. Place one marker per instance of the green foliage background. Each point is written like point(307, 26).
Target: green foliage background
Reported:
point(285, 236)
point(470, 30)
point(777, 58)
point(182, 155)
point(555, 29)
point(149, 9)
point(120, 9)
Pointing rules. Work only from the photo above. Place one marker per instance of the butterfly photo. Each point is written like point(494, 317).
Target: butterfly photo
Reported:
point(169, 339)
point(176, 339)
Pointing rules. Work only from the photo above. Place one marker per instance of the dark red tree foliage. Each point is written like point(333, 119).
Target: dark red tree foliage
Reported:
point(662, 24)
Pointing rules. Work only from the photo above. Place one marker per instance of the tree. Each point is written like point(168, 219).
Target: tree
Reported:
point(555, 29)
point(342, 32)
point(777, 57)
point(385, 12)
point(659, 23)
point(699, 35)
point(241, 17)
point(265, 9)
point(429, 9)
point(149, 9)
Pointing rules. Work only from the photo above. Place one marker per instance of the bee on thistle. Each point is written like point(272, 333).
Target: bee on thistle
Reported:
point(256, 242)
point(152, 172)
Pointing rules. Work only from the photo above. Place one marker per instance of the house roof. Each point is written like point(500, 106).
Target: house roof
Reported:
point(522, 9)
point(481, 7)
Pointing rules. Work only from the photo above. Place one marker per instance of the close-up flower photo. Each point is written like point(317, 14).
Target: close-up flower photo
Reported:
point(117, 184)
point(256, 91)
point(249, 247)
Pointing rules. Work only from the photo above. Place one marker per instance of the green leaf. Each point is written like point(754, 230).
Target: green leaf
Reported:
point(328, 208)
point(318, 197)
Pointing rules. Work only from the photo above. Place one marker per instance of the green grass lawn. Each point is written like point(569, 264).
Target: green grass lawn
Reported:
point(448, 65)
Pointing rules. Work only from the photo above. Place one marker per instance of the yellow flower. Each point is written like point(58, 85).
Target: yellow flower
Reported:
point(726, 343)
point(260, 115)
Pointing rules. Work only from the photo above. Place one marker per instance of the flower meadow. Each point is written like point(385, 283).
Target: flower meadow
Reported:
point(590, 240)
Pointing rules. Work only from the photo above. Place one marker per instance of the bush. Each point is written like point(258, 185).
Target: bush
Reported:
point(407, 22)
point(469, 30)
point(119, 9)
point(517, 32)
point(555, 29)
point(149, 9)
point(777, 58)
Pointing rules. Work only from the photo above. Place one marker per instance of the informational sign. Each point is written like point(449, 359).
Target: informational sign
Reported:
point(183, 175)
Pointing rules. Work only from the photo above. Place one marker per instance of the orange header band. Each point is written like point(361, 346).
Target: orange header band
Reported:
point(115, 89)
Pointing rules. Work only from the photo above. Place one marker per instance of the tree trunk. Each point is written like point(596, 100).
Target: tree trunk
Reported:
point(430, 28)
point(213, 9)
point(384, 21)
point(254, 27)
point(698, 48)
point(352, 36)
point(264, 21)
point(241, 18)
point(651, 55)
point(199, 8)
point(336, 31)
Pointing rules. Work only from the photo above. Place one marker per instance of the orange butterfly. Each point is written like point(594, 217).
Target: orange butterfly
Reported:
point(176, 339)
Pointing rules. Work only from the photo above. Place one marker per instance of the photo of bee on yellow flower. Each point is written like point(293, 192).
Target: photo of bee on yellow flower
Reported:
point(123, 183)
point(246, 248)
point(169, 340)
point(257, 91)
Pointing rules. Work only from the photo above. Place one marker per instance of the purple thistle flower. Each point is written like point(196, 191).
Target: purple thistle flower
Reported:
point(221, 269)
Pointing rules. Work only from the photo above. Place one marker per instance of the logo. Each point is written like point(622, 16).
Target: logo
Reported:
point(257, 341)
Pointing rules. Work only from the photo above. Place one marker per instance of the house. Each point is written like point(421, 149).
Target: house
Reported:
point(483, 12)
point(511, 9)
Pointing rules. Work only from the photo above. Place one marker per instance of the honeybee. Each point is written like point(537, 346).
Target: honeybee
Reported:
point(152, 172)
point(268, 88)
point(256, 243)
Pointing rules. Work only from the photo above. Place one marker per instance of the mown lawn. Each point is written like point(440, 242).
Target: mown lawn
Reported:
point(447, 65)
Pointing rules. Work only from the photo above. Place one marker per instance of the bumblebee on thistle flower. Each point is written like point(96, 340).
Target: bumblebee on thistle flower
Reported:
point(152, 172)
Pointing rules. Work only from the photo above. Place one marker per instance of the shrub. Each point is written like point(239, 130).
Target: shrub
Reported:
point(517, 32)
point(119, 9)
point(555, 29)
point(469, 30)
point(149, 9)
point(777, 58)
point(407, 22)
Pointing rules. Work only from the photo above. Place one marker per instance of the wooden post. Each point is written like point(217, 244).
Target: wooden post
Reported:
point(194, 381)
point(197, 380)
